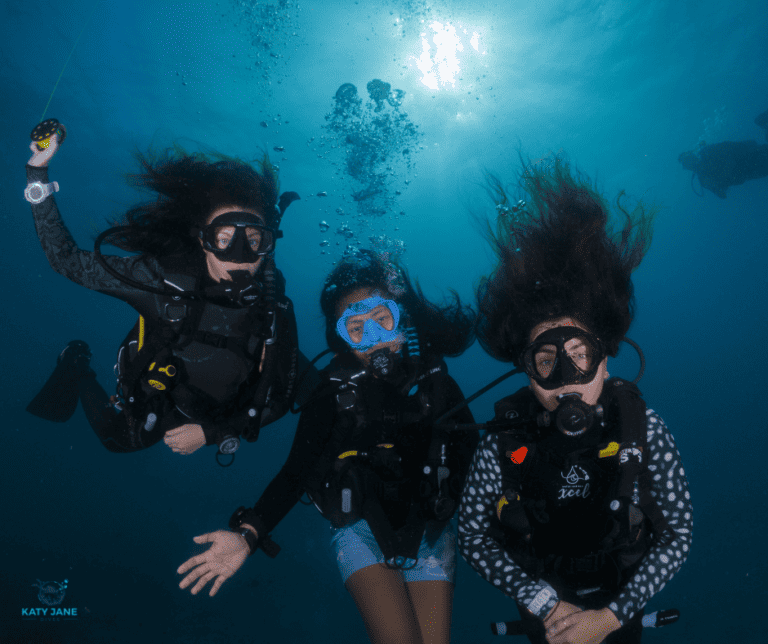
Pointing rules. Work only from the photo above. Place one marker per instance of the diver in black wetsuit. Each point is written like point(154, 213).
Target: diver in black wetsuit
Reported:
point(729, 163)
point(214, 354)
point(761, 120)
point(370, 458)
point(577, 505)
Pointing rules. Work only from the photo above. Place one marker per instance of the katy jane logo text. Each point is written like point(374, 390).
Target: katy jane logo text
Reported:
point(51, 594)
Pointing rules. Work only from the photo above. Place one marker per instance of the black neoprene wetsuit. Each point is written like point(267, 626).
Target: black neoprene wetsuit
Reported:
point(217, 359)
point(323, 433)
point(660, 562)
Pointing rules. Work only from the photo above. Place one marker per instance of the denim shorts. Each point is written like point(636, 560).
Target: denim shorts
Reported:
point(356, 548)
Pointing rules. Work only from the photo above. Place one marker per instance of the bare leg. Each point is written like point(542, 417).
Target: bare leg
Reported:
point(385, 605)
point(432, 601)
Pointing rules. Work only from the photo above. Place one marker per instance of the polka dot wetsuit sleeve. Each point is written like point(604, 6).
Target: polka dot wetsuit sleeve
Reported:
point(669, 488)
point(482, 490)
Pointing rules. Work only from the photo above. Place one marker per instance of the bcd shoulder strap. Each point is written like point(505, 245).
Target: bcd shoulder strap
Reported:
point(633, 485)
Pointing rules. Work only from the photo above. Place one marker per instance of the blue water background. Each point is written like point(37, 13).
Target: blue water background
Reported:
point(621, 87)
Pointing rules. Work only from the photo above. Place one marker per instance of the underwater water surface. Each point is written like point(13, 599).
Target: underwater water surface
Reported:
point(383, 115)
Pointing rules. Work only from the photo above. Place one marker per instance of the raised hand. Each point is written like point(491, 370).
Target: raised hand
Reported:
point(222, 560)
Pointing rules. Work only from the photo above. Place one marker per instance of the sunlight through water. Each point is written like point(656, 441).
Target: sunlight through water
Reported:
point(440, 53)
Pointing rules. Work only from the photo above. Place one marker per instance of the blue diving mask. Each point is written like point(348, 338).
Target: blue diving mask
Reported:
point(363, 336)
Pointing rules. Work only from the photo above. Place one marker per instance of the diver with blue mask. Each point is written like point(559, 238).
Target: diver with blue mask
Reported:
point(374, 323)
point(367, 454)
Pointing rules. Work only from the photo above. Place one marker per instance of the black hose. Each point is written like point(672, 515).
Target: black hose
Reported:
point(132, 282)
point(642, 359)
point(477, 394)
point(294, 408)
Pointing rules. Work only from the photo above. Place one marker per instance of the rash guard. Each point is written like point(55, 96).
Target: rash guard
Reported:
point(659, 564)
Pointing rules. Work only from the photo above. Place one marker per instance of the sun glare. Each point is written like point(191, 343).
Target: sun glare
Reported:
point(441, 47)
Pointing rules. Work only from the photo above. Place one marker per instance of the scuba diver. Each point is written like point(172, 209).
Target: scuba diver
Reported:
point(213, 356)
point(761, 120)
point(729, 163)
point(576, 503)
point(369, 457)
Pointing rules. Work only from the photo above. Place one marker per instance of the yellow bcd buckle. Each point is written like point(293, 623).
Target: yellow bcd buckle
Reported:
point(502, 502)
point(611, 450)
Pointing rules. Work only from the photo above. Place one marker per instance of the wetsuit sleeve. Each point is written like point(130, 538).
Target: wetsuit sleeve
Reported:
point(81, 266)
point(478, 502)
point(669, 488)
point(312, 435)
point(284, 380)
point(463, 443)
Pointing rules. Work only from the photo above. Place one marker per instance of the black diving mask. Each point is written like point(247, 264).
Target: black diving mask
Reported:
point(565, 355)
point(239, 237)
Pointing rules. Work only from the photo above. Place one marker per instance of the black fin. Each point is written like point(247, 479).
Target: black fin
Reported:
point(57, 400)
point(286, 199)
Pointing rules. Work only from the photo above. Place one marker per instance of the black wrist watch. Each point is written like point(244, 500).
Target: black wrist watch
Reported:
point(236, 525)
point(263, 541)
point(251, 539)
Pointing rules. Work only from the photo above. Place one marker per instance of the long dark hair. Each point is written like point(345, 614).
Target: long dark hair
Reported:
point(189, 187)
point(443, 330)
point(558, 256)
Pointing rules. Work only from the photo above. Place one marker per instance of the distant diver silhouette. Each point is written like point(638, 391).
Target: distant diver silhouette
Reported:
point(729, 163)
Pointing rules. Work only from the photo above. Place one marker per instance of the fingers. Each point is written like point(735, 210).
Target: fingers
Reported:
point(174, 448)
point(582, 628)
point(176, 445)
point(208, 537)
point(198, 572)
point(556, 632)
point(197, 560)
point(203, 581)
point(183, 440)
point(187, 580)
point(191, 563)
point(217, 584)
point(48, 152)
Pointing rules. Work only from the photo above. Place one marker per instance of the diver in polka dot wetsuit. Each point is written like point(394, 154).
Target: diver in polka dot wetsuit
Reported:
point(576, 503)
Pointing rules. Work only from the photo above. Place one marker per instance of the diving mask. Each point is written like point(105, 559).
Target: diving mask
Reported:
point(382, 327)
point(563, 356)
point(239, 237)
